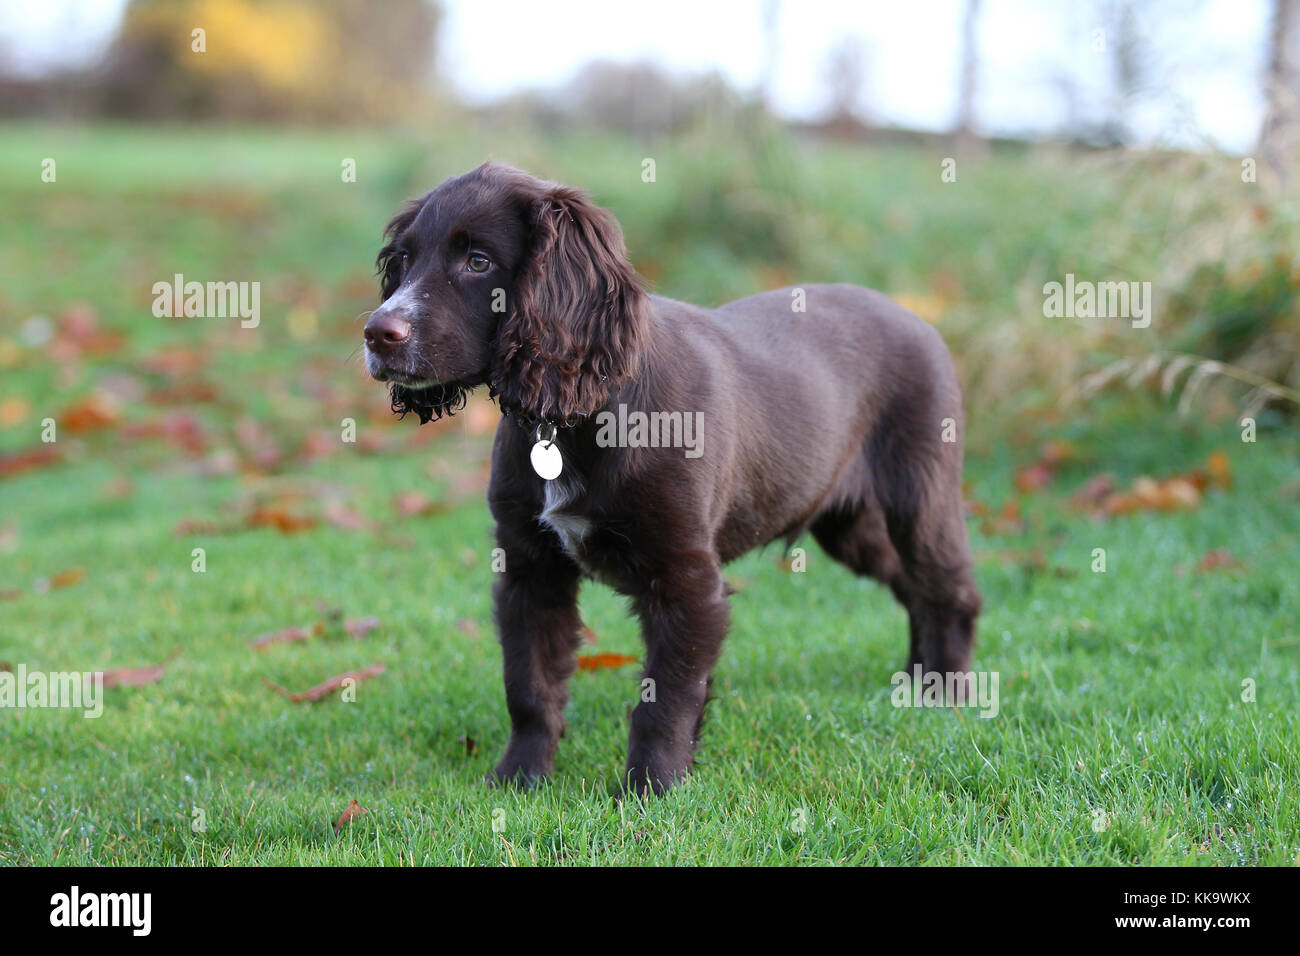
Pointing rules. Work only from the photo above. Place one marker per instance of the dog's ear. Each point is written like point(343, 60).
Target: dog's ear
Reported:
point(388, 264)
point(577, 320)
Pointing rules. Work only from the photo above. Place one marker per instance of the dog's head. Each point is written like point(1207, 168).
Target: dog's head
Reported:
point(497, 277)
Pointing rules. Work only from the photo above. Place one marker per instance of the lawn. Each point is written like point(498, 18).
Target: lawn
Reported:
point(1125, 732)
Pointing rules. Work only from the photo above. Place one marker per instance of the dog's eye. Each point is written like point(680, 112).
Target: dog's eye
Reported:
point(479, 263)
point(406, 259)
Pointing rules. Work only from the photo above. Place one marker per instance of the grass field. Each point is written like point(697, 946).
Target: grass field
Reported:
point(1122, 736)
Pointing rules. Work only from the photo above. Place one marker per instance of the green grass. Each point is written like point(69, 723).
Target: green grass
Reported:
point(1120, 692)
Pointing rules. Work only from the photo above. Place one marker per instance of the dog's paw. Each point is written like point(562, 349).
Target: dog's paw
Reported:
point(645, 779)
point(518, 778)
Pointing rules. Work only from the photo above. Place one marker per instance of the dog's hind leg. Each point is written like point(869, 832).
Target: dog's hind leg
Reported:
point(920, 484)
point(856, 536)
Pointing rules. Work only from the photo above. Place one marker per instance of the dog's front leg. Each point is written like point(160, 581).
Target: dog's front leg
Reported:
point(684, 615)
point(537, 618)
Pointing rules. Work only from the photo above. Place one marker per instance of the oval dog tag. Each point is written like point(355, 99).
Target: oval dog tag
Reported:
point(545, 455)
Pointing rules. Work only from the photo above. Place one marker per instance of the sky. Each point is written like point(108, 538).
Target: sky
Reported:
point(1201, 60)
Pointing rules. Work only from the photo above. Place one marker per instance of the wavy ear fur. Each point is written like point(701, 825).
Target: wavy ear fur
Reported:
point(575, 331)
point(387, 264)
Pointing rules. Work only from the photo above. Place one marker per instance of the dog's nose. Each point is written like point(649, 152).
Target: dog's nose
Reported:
point(386, 330)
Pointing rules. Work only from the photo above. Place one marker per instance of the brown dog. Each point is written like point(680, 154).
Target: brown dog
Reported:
point(684, 437)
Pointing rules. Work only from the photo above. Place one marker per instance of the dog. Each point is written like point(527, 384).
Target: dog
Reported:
point(827, 409)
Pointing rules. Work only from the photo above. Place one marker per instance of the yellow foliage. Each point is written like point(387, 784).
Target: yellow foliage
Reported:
point(285, 45)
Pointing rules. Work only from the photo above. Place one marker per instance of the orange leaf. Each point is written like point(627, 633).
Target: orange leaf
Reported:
point(596, 662)
point(353, 811)
point(280, 519)
point(96, 410)
point(1034, 477)
point(1220, 470)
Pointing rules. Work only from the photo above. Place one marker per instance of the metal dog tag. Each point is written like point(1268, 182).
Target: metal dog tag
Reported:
point(545, 455)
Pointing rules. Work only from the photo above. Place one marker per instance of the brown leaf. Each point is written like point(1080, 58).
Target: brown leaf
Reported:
point(1219, 558)
point(1092, 494)
point(596, 662)
point(286, 635)
point(137, 676)
point(334, 683)
point(96, 410)
point(353, 811)
point(20, 461)
point(67, 578)
point(341, 516)
point(1219, 470)
point(409, 504)
point(361, 626)
point(1034, 477)
point(280, 519)
point(470, 743)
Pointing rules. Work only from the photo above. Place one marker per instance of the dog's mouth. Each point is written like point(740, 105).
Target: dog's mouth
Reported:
point(406, 379)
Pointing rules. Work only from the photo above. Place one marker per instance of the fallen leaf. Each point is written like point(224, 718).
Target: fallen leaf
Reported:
point(286, 635)
point(341, 516)
point(1034, 477)
point(1219, 558)
point(334, 683)
point(596, 662)
point(1219, 470)
point(20, 461)
point(62, 579)
point(470, 743)
point(137, 676)
point(360, 627)
point(14, 411)
point(1092, 494)
point(281, 519)
point(409, 504)
point(96, 410)
point(353, 811)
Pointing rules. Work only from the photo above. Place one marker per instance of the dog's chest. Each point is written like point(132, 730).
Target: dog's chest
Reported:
point(560, 514)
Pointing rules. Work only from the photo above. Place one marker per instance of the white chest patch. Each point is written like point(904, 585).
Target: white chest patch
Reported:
point(573, 529)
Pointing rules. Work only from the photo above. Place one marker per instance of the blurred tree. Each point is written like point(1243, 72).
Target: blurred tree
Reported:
point(771, 52)
point(1279, 138)
point(1124, 43)
point(644, 100)
point(846, 74)
point(330, 60)
point(965, 131)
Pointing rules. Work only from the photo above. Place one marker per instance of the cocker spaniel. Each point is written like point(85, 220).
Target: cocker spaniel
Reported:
point(645, 443)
